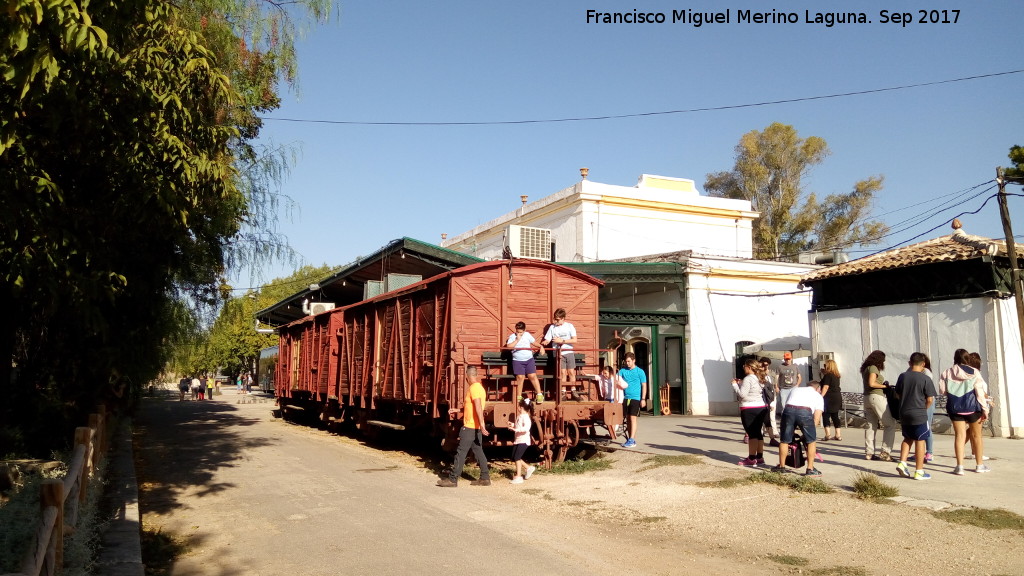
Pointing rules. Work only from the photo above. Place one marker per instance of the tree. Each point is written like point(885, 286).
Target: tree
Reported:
point(769, 172)
point(129, 184)
point(232, 344)
point(1016, 172)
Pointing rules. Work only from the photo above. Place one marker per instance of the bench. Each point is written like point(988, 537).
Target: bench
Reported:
point(854, 402)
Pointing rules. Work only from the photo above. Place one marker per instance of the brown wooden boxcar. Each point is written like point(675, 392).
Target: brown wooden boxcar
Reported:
point(398, 360)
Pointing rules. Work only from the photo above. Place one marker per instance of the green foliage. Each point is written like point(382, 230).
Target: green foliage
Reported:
point(130, 186)
point(231, 344)
point(799, 483)
point(1016, 172)
point(868, 486)
point(987, 518)
point(659, 460)
point(769, 172)
point(580, 465)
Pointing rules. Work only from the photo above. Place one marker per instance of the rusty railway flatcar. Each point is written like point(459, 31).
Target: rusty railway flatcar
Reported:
point(398, 360)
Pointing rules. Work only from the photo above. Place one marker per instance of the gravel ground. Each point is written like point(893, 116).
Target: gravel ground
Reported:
point(631, 517)
point(662, 520)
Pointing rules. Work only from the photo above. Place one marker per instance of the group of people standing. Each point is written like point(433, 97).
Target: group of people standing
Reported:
point(911, 401)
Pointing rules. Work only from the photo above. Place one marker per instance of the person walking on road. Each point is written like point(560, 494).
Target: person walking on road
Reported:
point(471, 437)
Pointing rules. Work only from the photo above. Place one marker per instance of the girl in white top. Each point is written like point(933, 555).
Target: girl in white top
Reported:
point(521, 427)
point(609, 389)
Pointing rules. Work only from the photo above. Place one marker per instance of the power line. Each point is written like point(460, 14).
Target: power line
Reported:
point(646, 114)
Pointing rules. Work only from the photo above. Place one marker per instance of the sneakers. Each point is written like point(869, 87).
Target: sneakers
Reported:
point(760, 462)
point(928, 457)
point(629, 443)
point(959, 470)
point(885, 457)
point(922, 475)
point(779, 469)
point(481, 482)
point(982, 469)
point(529, 471)
point(446, 483)
point(813, 472)
point(774, 443)
point(748, 461)
point(902, 470)
point(539, 398)
point(517, 480)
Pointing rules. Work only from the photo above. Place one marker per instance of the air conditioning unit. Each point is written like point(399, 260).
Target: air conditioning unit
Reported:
point(320, 307)
point(527, 242)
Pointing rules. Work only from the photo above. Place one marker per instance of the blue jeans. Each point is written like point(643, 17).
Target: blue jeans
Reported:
point(470, 439)
point(780, 402)
point(793, 418)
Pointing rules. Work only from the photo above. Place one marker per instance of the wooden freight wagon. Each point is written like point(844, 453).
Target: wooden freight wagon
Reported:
point(398, 360)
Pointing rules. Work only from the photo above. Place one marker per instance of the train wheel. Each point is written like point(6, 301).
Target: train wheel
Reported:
point(572, 433)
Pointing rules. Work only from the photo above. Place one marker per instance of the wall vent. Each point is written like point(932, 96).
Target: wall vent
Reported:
point(527, 242)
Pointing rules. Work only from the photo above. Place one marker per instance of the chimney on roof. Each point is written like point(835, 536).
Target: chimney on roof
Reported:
point(524, 198)
point(956, 224)
point(584, 172)
point(444, 236)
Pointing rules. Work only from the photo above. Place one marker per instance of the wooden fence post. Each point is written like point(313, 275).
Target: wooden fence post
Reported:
point(96, 423)
point(83, 435)
point(52, 494)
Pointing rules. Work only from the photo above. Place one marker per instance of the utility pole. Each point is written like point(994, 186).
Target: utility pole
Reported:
point(1011, 251)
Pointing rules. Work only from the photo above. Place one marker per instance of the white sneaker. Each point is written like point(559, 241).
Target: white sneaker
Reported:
point(517, 480)
point(529, 471)
point(981, 469)
point(959, 470)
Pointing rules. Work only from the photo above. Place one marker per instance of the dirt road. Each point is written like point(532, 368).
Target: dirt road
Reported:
point(249, 494)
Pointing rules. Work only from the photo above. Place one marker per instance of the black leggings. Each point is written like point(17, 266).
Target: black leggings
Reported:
point(753, 420)
point(834, 418)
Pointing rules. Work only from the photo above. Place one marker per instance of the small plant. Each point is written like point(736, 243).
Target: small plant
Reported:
point(532, 491)
point(581, 466)
point(723, 483)
point(650, 519)
point(788, 560)
point(660, 460)
point(868, 486)
point(805, 484)
point(839, 571)
point(986, 518)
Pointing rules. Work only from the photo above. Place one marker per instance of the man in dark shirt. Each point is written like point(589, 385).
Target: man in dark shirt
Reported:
point(916, 392)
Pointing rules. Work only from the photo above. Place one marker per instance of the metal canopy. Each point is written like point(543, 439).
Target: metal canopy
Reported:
point(344, 287)
point(798, 346)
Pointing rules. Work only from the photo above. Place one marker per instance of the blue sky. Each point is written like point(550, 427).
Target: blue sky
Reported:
point(357, 187)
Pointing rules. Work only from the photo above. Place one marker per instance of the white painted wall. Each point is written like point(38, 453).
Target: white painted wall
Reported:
point(984, 325)
point(593, 221)
point(725, 309)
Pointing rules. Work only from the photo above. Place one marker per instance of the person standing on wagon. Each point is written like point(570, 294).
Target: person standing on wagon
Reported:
point(522, 345)
point(562, 335)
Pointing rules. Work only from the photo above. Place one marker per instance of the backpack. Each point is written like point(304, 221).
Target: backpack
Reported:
point(768, 393)
point(797, 457)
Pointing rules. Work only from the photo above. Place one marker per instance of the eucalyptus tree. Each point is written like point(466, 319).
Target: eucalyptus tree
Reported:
point(770, 171)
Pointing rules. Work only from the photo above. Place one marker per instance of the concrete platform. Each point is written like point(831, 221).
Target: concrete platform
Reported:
point(720, 440)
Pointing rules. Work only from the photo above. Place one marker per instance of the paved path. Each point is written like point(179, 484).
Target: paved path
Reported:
point(719, 439)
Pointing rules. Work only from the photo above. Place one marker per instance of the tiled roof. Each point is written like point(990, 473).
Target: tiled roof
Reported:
point(955, 247)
